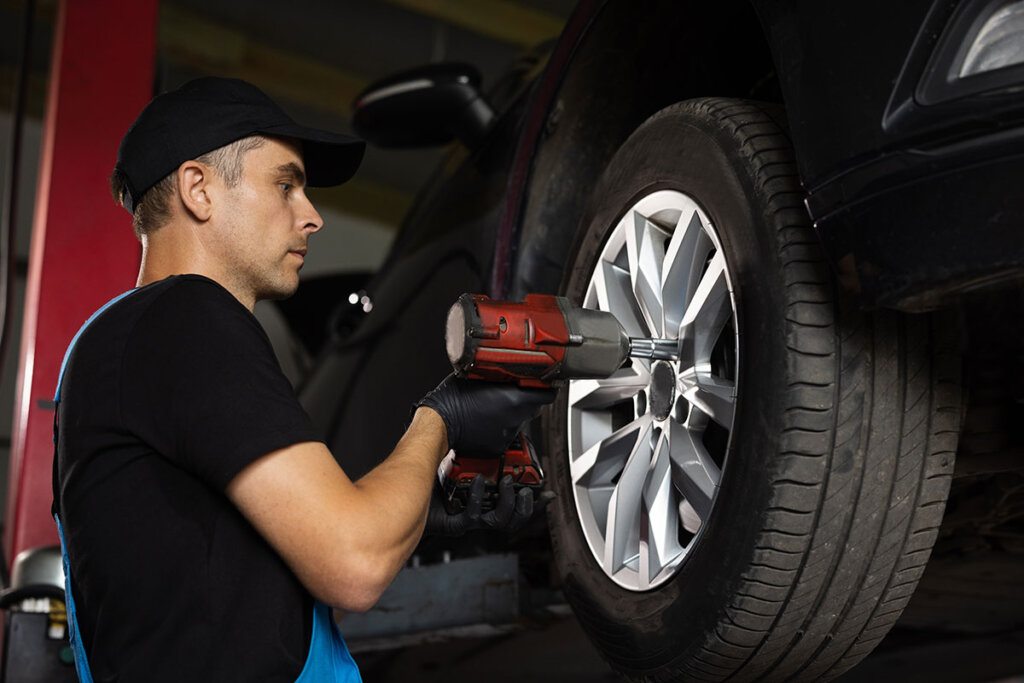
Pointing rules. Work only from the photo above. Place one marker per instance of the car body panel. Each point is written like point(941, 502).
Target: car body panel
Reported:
point(501, 220)
point(906, 181)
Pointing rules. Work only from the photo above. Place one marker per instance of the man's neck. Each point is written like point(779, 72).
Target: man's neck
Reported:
point(161, 260)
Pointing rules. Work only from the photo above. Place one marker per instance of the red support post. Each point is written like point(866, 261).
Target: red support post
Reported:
point(83, 252)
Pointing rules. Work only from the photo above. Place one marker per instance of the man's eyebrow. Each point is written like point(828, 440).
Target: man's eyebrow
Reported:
point(294, 170)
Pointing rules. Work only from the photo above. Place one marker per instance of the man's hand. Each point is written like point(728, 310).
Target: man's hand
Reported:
point(511, 513)
point(482, 418)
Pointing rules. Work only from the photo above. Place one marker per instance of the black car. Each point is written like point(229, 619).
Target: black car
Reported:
point(819, 202)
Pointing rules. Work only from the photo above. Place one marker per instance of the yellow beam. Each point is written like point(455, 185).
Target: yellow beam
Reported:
point(502, 20)
point(213, 48)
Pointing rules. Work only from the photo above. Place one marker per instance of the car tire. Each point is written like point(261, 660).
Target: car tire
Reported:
point(798, 554)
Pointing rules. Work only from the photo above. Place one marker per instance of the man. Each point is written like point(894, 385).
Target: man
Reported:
point(206, 527)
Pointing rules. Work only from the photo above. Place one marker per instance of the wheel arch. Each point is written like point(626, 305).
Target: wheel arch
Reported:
point(630, 60)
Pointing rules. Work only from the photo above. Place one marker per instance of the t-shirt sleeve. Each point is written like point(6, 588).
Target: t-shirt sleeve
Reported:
point(201, 385)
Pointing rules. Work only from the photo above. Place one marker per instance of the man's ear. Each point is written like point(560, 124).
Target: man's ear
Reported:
point(194, 189)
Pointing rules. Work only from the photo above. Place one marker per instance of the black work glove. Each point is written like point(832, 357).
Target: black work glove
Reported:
point(512, 512)
point(482, 418)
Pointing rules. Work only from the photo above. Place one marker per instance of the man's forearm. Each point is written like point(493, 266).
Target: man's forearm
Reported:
point(406, 479)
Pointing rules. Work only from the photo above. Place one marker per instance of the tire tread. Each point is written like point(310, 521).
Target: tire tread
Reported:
point(794, 644)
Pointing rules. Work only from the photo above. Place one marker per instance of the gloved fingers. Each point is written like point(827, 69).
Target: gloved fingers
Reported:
point(441, 523)
point(543, 499)
point(474, 501)
point(523, 510)
point(501, 515)
point(524, 505)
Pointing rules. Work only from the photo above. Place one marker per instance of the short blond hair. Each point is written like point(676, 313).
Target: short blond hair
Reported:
point(153, 209)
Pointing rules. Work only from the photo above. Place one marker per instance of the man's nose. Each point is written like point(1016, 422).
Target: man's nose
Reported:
point(311, 218)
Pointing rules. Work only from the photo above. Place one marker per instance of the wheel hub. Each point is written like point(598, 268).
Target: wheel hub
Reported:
point(663, 389)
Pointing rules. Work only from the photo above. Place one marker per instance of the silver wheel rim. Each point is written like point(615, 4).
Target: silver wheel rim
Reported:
point(647, 446)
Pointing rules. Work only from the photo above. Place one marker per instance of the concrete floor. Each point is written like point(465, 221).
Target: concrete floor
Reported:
point(964, 624)
point(913, 657)
point(561, 653)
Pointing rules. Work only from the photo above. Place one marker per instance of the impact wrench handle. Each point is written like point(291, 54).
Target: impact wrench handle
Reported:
point(458, 473)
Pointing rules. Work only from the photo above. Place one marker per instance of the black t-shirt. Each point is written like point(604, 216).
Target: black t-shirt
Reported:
point(167, 395)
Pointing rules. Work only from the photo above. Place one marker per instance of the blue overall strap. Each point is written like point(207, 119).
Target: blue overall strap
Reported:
point(81, 660)
point(329, 660)
point(74, 340)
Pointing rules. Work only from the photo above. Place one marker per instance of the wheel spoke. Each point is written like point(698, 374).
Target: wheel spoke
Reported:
point(614, 291)
point(715, 397)
point(708, 311)
point(694, 473)
point(684, 258)
point(662, 516)
point(622, 526)
point(593, 394)
point(645, 245)
point(599, 464)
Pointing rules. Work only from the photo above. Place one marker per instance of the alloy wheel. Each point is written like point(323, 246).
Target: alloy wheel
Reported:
point(647, 446)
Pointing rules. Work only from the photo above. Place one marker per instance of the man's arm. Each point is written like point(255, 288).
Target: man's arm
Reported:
point(344, 540)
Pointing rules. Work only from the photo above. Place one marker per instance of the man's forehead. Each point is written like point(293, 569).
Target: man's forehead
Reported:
point(279, 155)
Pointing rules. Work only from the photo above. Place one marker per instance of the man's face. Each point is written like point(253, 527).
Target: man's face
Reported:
point(267, 221)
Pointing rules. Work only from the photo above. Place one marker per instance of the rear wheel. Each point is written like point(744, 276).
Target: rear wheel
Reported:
point(763, 506)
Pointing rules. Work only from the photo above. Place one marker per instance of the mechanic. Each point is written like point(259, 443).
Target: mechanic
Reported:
point(207, 528)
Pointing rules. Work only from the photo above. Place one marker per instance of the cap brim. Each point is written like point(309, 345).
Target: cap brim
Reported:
point(330, 158)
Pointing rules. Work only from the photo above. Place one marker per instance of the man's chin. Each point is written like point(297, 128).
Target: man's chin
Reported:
point(279, 291)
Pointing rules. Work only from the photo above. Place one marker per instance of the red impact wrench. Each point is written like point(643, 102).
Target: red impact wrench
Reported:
point(538, 342)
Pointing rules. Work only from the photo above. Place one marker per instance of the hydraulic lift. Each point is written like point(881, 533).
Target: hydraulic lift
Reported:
point(82, 254)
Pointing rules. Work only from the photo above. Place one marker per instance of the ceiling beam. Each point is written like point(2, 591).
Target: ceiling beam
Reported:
point(194, 41)
point(502, 20)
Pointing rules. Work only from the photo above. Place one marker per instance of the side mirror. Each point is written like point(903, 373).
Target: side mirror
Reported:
point(424, 107)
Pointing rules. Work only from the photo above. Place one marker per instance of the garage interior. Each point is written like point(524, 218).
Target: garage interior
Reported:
point(314, 58)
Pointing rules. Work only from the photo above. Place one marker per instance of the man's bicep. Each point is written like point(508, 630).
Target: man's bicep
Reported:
point(296, 498)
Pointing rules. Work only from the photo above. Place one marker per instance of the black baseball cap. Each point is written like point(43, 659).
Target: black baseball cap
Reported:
point(208, 113)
